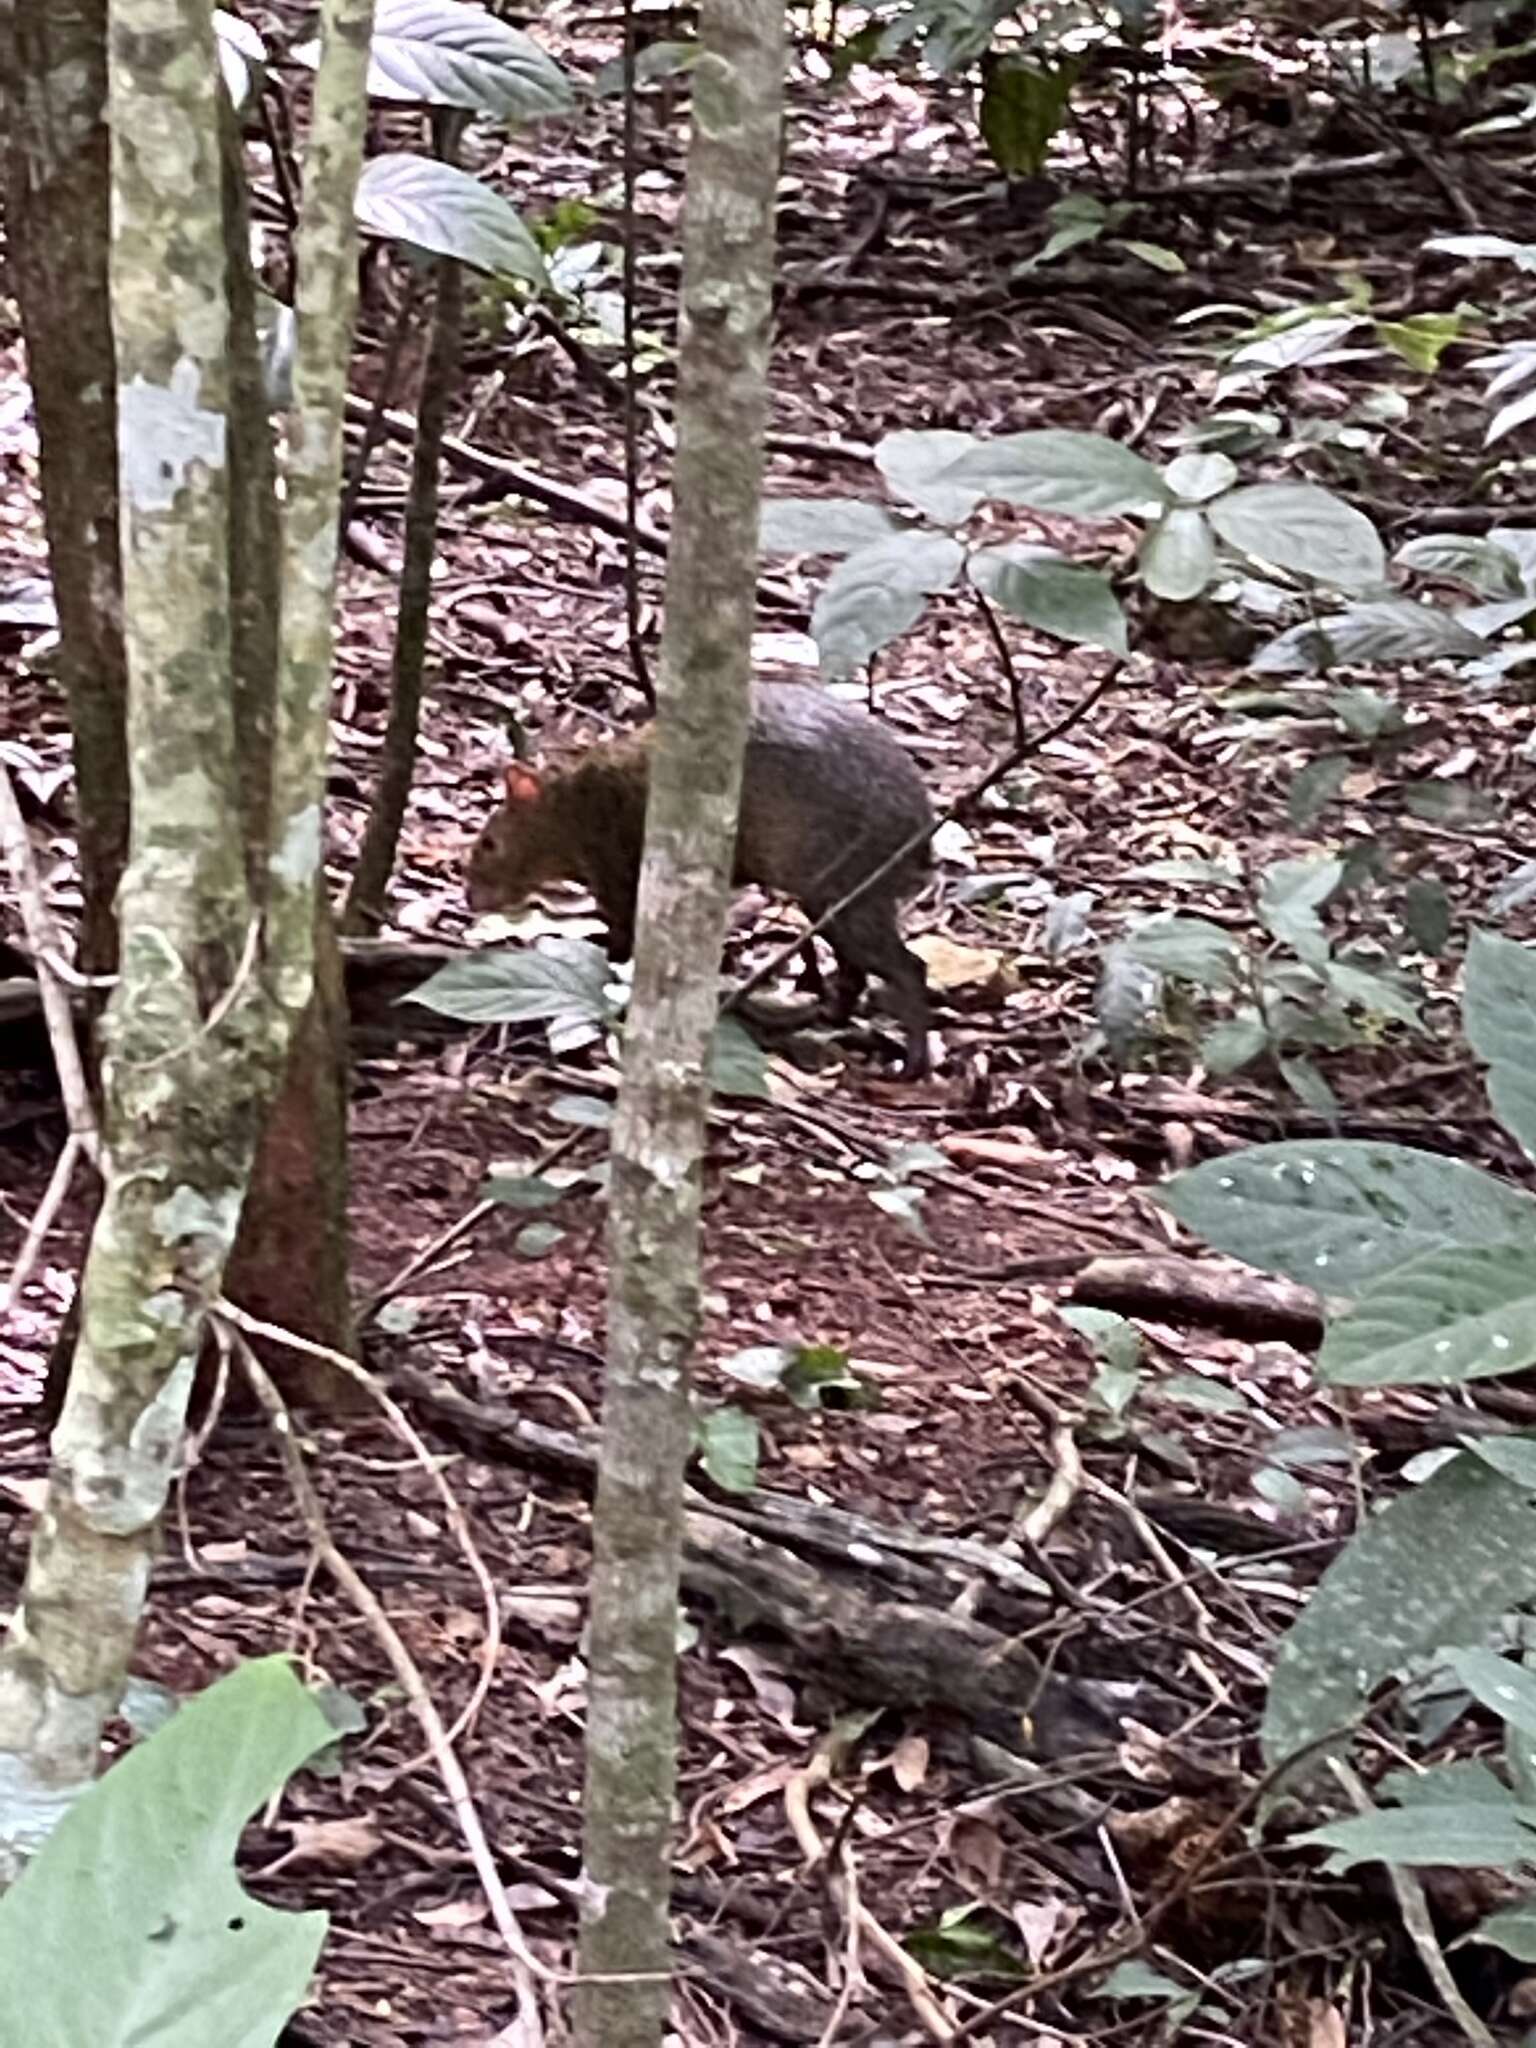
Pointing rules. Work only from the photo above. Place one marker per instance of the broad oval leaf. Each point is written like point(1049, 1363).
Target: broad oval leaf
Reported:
point(1200, 475)
point(433, 206)
point(1178, 557)
point(180, 1953)
point(737, 1065)
point(440, 53)
point(1499, 1006)
point(1052, 594)
point(1022, 107)
point(1338, 1214)
point(728, 1441)
point(877, 593)
point(1190, 947)
point(822, 526)
point(1125, 998)
point(1304, 529)
point(914, 459)
point(1480, 564)
point(1059, 470)
point(1383, 633)
point(566, 980)
point(1473, 1836)
point(1434, 1567)
point(1464, 1313)
point(1499, 1684)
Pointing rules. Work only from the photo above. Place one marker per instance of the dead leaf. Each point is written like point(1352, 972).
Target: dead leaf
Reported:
point(766, 1678)
point(954, 968)
point(456, 1914)
point(332, 1844)
point(1010, 1152)
point(976, 1848)
point(1039, 1923)
point(909, 1762)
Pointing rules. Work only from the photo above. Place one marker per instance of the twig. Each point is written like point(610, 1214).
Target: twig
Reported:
point(405, 1429)
point(41, 1224)
point(1003, 765)
point(42, 937)
point(527, 1970)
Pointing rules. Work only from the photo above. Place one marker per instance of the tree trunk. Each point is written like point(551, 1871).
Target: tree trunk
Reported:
point(654, 1288)
point(56, 200)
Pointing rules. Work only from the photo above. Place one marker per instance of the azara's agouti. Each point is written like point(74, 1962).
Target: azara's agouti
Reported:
point(827, 795)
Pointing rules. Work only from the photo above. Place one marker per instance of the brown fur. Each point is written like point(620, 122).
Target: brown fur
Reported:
point(827, 795)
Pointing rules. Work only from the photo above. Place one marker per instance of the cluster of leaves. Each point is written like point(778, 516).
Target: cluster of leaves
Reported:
point(1286, 996)
point(1429, 1269)
point(1198, 523)
point(138, 1876)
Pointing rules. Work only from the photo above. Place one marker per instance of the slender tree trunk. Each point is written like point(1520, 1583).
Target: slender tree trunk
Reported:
point(56, 200)
point(653, 1298)
point(211, 980)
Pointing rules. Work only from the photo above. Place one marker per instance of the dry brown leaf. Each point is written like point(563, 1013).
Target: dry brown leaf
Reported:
point(909, 1762)
point(332, 1844)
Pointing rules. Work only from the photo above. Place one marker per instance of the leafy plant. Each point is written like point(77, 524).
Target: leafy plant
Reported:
point(1284, 999)
point(1080, 218)
point(139, 1877)
point(1428, 1268)
point(1198, 522)
point(573, 990)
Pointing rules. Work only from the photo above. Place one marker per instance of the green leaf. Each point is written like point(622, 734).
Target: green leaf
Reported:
point(1513, 1929)
point(586, 1112)
point(1452, 802)
point(1339, 1213)
point(728, 1442)
point(1427, 914)
point(1302, 528)
point(1234, 1043)
point(1422, 339)
point(1177, 558)
point(1364, 714)
point(1314, 787)
point(1111, 1337)
point(1210, 1397)
point(1384, 633)
point(1060, 470)
point(1115, 1386)
point(1308, 1084)
point(1497, 1683)
point(1124, 999)
point(1197, 478)
point(1481, 564)
point(1374, 994)
point(912, 462)
point(1499, 1005)
point(822, 526)
point(877, 593)
point(439, 53)
point(1434, 1567)
point(536, 1240)
point(435, 207)
point(737, 1063)
point(1467, 1837)
point(1053, 595)
point(565, 980)
point(666, 59)
point(1190, 947)
point(1289, 898)
point(1512, 1093)
point(1513, 1457)
point(143, 1864)
point(1022, 109)
point(1466, 1312)
point(1140, 1980)
point(1156, 257)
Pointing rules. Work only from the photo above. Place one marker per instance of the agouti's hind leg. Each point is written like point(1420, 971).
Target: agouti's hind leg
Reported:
point(867, 944)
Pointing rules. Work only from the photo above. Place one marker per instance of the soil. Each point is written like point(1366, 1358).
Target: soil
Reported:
point(956, 1387)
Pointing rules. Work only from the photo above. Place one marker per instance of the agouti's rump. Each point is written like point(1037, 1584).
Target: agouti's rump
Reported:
point(827, 797)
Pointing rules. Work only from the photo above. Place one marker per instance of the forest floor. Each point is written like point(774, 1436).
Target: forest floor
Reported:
point(952, 1392)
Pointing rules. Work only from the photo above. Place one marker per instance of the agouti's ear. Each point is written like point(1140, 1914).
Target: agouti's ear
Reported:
point(524, 784)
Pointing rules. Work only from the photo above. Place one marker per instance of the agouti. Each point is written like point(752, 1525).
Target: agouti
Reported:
point(827, 795)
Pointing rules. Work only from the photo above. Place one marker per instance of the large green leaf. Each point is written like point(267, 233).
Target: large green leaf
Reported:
point(1059, 470)
point(1434, 1567)
point(1290, 896)
point(1499, 1010)
point(822, 526)
point(1492, 571)
point(1471, 1836)
point(130, 1926)
point(1339, 1213)
point(877, 593)
point(1191, 947)
point(1464, 1313)
point(1302, 528)
point(914, 459)
point(1052, 594)
point(1384, 633)
point(567, 980)
point(435, 207)
point(443, 54)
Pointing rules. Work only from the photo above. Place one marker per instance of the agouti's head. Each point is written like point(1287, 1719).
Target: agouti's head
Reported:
point(517, 850)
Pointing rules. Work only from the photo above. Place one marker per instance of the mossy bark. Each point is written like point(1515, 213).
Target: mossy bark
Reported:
point(654, 1286)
